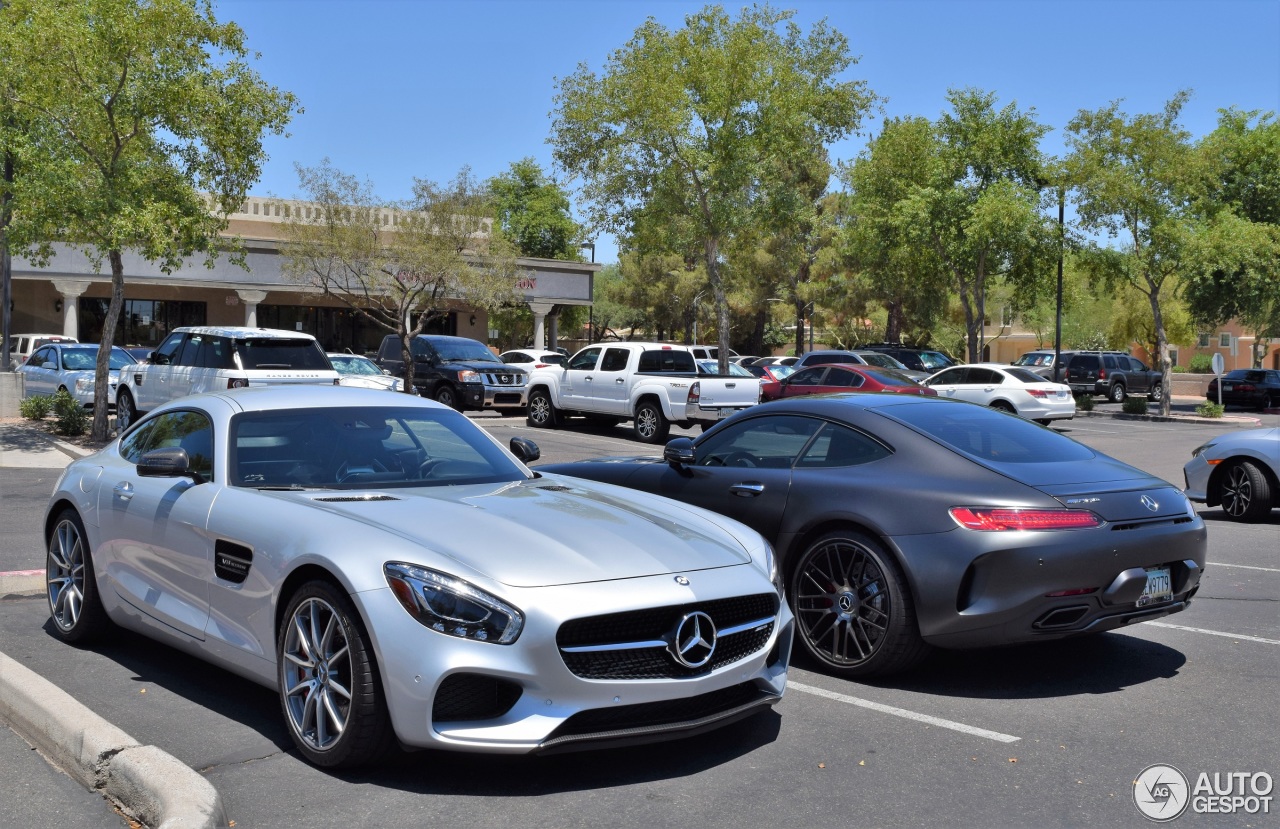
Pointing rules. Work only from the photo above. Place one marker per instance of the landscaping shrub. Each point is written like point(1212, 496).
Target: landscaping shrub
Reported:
point(1084, 402)
point(1134, 405)
point(1200, 364)
point(36, 408)
point(70, 418)
point(1210, 409)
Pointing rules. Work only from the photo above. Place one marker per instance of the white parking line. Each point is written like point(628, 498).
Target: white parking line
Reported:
point(902, 712)
point(1217, 633)
point(1244, 567)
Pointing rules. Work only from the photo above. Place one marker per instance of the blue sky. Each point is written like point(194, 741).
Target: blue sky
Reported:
point(397, 89)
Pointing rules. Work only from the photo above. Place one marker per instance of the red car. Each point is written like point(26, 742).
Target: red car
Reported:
point(823, 379)
point(770, 376)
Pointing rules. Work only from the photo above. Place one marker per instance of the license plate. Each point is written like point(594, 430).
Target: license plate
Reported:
point(1159, 587)
point(1228, 386)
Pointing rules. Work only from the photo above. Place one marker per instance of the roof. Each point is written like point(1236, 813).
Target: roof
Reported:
point(241, 332)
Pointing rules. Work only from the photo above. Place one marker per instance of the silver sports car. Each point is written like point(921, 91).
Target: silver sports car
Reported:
point(398, 575)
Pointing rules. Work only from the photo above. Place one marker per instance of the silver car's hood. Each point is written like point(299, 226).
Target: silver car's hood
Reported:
point(544, 531)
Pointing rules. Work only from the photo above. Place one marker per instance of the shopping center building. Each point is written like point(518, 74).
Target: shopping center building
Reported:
point(70, 297)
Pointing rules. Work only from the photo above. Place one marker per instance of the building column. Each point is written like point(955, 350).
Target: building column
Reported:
point(71, 289)
point(555, 329)
point(251, 300)
point(540, 311)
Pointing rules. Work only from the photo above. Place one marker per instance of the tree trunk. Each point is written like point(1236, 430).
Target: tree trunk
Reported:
point(102, 374)
point(712, 249)
point(1162, 347)
point(893, 325)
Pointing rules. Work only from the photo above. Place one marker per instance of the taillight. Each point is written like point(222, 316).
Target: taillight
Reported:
point(1001, 519)
point(695, 392)
point(1102, 374)
point(1040, 394)
point(242, 383)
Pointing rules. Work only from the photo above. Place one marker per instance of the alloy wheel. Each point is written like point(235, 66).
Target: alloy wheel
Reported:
point(1237, 491)
point(64, 575)
point(317, 674)
point(842, 602)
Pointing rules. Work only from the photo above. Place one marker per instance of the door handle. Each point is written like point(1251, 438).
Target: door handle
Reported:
point(747, 489)
point(124, 490)
point(620, 380)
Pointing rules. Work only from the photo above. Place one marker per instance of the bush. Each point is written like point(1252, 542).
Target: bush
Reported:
point(1134, 405)
point(36, 408)
point(1179, 369)
point(1200, 364)
point(1084, 402)
point(1210, 409)
point(70, 418)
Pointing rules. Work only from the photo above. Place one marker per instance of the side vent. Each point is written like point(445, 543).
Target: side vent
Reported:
point(231, 562)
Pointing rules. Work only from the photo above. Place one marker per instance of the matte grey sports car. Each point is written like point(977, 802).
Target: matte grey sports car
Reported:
point(902, 522)
point(398, 575)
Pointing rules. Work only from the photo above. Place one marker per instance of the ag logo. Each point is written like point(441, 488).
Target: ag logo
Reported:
point(1161, 793)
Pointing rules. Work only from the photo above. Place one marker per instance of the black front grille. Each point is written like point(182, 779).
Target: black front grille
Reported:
point(656, 714)
point(506, 398)
point(464, 697)
point(657, 624)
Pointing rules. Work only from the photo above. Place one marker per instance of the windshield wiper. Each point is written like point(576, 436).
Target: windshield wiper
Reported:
point(287, 488)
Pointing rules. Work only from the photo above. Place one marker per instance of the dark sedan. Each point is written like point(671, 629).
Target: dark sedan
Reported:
point(1254, 388)
point(903, 522)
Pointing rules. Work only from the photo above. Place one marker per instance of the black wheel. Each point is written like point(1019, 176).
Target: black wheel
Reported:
point(70, 583)
point(853, 609)
point(1044, 421)
point(126, 412)
point(1157, 393)
point(329, 686)
point(1244, 492)
point(1265, 403)
point(1116, 393)
point(448, 396)
point(652, 425)
point(541, 414)
point(1004, 406)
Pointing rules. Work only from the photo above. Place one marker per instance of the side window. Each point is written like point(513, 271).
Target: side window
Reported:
point(174, 430)
point(585, 360)
point(1137, 365)
point(841, 446)
point(215, 352)
point(41, 357)
point(1110, 362)
point(418, 348)
point(615, 359)
point(949, 377)
point(770, 442)
point(168, 350)
point(984, 377)
point(136, 442)
point(843, 379)
point(190, 354)
point(806, 377)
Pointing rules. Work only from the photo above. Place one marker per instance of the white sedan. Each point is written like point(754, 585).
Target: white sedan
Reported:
point(1008, 388)
point(363, 373)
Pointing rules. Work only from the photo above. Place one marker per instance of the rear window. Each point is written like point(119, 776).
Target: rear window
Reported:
point(890, 377)
point(1024, 375)
point(989, 435)
point(1252, 375)
point(282, 354)
point(674, 362)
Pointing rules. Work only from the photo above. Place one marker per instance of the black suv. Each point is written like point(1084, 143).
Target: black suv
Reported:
point(917, 359)
point(1112, 373)
point(457, 371)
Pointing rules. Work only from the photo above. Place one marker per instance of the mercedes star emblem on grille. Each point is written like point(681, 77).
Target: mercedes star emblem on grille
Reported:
point(694, 640)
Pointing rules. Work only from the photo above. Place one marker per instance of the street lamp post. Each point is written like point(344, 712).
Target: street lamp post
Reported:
point(1057, 333)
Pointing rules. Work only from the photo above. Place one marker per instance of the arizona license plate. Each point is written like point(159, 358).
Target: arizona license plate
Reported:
point(1159, 587)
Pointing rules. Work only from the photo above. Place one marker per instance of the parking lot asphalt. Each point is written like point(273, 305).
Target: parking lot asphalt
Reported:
point(1034, 736)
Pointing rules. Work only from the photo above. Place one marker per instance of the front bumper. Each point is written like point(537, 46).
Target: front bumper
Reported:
point(530, 701)
point(478, 396)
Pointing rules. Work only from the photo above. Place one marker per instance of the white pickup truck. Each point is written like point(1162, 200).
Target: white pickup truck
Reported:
point(653, 384)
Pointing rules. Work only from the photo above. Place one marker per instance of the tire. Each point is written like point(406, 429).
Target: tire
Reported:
point(652, 425)
point(854, 611)
point(1157, 393)
point(126, 411)
point(320, 619)
point(1116, 393)
point(541, 413)
point(1265, 403)
point(1004, 406)
point(71, 586)
point(1244, 492)
point(448, 396)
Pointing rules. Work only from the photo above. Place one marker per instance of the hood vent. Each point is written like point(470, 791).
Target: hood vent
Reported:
point(556, 488)
point(344, 499)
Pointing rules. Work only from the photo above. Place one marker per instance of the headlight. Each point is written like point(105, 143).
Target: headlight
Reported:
point(771, 567)
point(1195, 453)
point(452, 606)
point(84, 385)
point(467, 376)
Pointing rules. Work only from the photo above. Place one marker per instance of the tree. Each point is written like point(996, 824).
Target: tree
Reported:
point(399, 274)
point(1234, 269)
point(1134, 177)
point(534, 213)
point(685, 123)
point(145, 126)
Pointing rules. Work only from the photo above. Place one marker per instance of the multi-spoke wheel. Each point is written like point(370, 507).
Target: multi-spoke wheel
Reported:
point(1157, 393)
point(1116, 393)
point(329, 687)
point(652, 425)
point(70, 584)
point(853, 608)
point(126, 412)
point(541, 414)
point(1244, 492)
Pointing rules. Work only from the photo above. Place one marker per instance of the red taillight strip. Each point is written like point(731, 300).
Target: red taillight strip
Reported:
point(1000, 519)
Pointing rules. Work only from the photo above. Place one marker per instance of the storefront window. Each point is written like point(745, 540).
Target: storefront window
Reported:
point(142, 321)
point(339, 329)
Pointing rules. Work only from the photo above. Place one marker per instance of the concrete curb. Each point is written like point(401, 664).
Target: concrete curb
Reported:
point(151, 786)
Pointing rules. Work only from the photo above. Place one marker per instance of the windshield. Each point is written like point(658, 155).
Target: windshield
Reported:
point(86, 358)
point(282, 353)
point(875, 358)
point(1031, 358)
point(353, 448)
point(353, 364)
point(463, 349)
point(936, 361)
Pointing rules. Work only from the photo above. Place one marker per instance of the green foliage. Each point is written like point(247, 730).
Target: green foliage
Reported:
point(36, 407)
point(1210, 409)
point(1134, 405)
point(1200, 364)
point(533, 211)
point(70, 418)
point(1084, 402)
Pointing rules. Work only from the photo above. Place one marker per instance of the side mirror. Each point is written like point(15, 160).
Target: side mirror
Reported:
point(525, 449)
point(49, 364)
point(167, 463)
point(679, 452)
